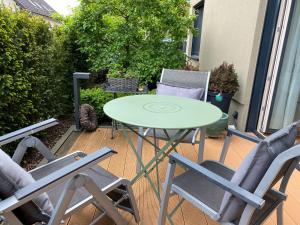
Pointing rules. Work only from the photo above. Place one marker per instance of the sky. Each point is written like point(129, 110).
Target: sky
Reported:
point(63, 7)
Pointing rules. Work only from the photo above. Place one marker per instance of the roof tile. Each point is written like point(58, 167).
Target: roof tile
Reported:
point(36, 6)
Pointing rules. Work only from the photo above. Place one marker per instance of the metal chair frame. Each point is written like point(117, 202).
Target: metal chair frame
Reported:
point(72, 171)
point(255, 201)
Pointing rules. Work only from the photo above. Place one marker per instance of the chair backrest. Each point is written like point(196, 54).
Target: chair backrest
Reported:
point(185, 78)
point(254, 167)
point(281, 168)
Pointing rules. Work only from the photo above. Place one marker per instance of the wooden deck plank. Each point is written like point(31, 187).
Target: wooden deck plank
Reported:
point(123, 164)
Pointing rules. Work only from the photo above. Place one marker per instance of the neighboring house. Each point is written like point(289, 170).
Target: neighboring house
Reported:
point(36, 7)
point(261, 38)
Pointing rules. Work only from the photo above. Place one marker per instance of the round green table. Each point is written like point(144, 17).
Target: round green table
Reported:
point(161, 112)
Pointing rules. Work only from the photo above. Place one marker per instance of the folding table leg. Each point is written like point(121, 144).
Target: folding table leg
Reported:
point(156, 146)
point(173, 142)
point(201, 144)
point(112, 129)
point(144, 170)
point(225, 148)
point(139, 149)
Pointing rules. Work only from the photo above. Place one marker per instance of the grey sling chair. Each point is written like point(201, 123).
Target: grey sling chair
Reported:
point(245, 196)
point(54, 191)
point(183, 79)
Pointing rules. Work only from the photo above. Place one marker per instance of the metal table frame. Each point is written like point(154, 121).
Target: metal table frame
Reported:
point(160, 153)
point(132, 119)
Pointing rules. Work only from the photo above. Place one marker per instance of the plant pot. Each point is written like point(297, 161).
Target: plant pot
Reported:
point(217, 129)
point(224, 104)
point(123, 84)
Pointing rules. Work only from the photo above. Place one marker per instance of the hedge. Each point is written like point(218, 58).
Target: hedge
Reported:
point(35, 80)
point(97, 98)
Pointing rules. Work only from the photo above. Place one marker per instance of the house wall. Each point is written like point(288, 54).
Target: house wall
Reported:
point(13, 6)
point(231, 31)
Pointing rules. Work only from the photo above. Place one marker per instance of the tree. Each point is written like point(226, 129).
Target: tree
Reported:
point(133, 37)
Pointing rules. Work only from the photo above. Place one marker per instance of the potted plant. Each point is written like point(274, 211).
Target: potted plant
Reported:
point(223, 85)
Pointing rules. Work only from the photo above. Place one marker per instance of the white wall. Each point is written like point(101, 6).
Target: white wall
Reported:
point(231, 32)
point(13, 6)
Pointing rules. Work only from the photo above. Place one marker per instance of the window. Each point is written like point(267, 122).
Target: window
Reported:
point(199, 8)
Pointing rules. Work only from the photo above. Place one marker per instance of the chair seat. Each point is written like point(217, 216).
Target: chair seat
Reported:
point(160, 134)
point(208, 193)
point(101, 177)
point(202, 189)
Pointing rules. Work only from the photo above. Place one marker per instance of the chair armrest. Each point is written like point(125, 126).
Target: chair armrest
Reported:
point(234, 189)
point(243, 135)
point(32, 142)
point(53, 166)
point(46, 183)
point(13, 136)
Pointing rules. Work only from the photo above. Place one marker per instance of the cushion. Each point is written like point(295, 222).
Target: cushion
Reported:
point(254, 167)
point(166, 89)
point(12, 178)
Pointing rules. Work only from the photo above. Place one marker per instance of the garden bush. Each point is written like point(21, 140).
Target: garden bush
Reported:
point(35, 70)
point(97, 98)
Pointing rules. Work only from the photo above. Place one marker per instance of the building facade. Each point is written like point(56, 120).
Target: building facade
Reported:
point(36, 7)
point(255, 36)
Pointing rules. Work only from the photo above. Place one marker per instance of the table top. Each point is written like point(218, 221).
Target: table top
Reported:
point(161, 111)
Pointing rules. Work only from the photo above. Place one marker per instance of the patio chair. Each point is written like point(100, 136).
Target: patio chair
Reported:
point(245, 196)
point(234, 132)
point(185, 79)
point(69, 183)
point(229, 135)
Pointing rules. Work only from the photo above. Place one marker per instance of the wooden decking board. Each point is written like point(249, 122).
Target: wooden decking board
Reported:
point(123, 164)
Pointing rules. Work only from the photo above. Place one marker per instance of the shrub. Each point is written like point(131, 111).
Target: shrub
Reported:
point(35, 80)
point(97, 98)
point(224, 79)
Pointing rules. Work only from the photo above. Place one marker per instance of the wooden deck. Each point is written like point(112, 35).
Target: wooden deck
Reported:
point(123, 164)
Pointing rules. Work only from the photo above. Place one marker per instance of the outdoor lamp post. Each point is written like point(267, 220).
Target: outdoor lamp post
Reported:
point(77, 76)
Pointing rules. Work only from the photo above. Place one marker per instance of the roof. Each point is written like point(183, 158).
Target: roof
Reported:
point(36, 6)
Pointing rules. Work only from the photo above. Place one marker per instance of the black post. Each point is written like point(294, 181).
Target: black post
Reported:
point(77, 76)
